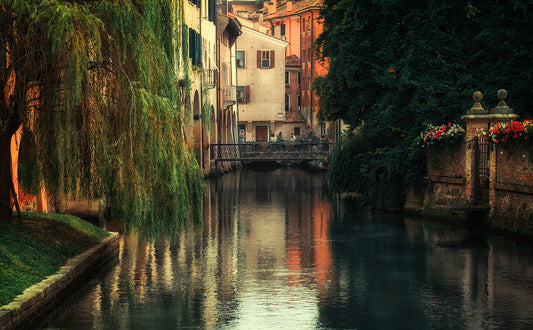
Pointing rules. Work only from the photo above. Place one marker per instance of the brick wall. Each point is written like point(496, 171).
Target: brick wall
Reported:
point(446, 175)
point(451, 179)
point(512, 204)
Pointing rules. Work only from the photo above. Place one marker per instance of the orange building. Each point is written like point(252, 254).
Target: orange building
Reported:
point(299, 24)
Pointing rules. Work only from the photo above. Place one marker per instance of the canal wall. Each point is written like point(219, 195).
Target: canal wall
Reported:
point(474, 180)
point(512, 189)
point(30, 308)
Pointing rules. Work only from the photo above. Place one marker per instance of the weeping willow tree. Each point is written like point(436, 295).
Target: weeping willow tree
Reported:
point(93, 85)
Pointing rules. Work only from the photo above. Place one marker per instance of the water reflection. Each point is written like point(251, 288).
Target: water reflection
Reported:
point(275, 252)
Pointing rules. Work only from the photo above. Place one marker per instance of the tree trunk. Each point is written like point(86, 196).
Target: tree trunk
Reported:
point(6, 213)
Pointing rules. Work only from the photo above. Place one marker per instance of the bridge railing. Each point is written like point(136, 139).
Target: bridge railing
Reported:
point(261, 150)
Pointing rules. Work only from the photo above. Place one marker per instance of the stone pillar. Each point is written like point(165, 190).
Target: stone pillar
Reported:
point(478, 119)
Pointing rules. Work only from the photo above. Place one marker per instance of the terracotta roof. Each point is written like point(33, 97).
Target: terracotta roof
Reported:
point(292, 60)
point(297, 6)
point(294, 117)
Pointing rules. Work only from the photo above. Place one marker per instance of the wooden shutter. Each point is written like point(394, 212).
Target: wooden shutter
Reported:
point(191, 43)
point(198, 49)
point(272, 59)
point(247, 94)
point(259, 59)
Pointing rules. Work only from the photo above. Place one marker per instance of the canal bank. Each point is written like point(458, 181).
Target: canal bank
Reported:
point(32, 306)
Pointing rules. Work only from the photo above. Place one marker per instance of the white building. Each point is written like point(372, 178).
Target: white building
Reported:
point(260, 85)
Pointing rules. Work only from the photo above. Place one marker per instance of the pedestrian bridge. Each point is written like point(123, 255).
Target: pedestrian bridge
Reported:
point(270, 151)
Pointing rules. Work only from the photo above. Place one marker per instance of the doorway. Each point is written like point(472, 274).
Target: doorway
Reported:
point(261, 133)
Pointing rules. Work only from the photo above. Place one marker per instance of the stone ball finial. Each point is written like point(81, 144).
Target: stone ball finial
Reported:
point(477, 96)
point(502, 94)
point(502, 107)
point(477, 109)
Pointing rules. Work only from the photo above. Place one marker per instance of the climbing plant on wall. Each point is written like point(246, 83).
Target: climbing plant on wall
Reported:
point(93, 86)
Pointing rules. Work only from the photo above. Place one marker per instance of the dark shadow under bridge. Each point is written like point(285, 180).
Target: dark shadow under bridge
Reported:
point(270, 151)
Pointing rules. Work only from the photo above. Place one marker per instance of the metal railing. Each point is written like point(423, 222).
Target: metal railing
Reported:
point(270, 151)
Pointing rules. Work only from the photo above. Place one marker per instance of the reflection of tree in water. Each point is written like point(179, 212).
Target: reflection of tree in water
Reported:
point(418, 274)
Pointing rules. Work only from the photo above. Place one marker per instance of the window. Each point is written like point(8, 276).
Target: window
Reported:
point(303, 25)
point(299, 77)
point(243, 94)
point(303, 56)
point(287, 75)
point(195, 47)
point(240, 58)
point(265, 59)
point(242, 132)
point(282, 29)
point(297, 131)
point(287, 102)
point(299, 100)
point(309, 54)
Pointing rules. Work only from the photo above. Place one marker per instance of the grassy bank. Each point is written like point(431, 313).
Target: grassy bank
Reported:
point(37, 246)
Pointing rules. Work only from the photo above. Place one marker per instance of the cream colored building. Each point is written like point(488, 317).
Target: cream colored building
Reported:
point(260, 62)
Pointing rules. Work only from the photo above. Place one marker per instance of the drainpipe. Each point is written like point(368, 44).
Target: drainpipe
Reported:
point(236, 84)
point(301, 59)
point(202, 161)
point(311, 55)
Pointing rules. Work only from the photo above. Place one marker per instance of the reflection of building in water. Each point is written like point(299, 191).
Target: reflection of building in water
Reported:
point(265, 256)
point(292, 231)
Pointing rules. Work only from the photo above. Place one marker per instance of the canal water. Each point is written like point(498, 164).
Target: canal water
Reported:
point(278, 251)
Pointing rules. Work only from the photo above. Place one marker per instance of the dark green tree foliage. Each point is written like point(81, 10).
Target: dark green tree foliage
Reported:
point(395, 65)
point(97, 96)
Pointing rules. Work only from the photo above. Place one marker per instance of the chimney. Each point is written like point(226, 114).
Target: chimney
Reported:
point(289, 6)
point(272, 5)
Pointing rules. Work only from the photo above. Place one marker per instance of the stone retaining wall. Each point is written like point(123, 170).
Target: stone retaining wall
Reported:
point(32, 306)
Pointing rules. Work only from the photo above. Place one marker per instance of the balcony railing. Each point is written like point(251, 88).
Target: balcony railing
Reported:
point(230, 95)
point(270, 151)
point(212, 77)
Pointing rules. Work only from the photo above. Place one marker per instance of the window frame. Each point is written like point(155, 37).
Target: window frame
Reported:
point(243, 65)
point(265, 59)
point(242, 94)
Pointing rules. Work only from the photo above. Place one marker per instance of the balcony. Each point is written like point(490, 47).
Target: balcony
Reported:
point(230, 96)
point(212, 77)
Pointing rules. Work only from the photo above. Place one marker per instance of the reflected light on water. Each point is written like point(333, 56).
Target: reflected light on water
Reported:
point(276, 251)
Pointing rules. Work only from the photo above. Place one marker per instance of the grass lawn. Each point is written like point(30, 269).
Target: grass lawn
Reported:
point(37, 246)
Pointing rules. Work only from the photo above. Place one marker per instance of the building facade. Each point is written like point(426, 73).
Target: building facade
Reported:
point(299, 23)
point(228, 30)
point(260, 61)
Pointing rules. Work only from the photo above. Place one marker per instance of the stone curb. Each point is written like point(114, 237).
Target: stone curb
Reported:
point(28, 308)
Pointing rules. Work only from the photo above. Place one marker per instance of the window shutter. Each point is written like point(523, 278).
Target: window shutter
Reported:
point(191, 43)
point(247, 94)
point(198, 49)
point(259, 59)
point(272, 59)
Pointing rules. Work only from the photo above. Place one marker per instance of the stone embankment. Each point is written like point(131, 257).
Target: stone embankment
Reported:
point(33, 305)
